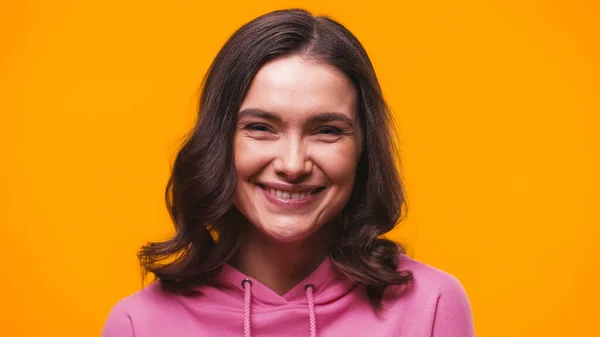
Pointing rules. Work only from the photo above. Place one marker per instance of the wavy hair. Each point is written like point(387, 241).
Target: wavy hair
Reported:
point(202, 182)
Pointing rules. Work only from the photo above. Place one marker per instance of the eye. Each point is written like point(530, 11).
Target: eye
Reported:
point(259, 131)
point(329, 130)
point(258, 127)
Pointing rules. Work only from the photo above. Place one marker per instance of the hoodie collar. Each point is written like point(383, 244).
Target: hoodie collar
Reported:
point(329, 285)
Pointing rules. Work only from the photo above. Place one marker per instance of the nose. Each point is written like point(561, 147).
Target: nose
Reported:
point(293, 163)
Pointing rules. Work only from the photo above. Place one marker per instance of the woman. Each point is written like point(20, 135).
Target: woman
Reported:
point(280, 196)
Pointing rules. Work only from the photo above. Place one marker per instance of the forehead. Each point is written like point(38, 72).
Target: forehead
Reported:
point(295, 87)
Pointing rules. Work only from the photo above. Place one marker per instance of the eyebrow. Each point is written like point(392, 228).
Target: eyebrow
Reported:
point(321, 117)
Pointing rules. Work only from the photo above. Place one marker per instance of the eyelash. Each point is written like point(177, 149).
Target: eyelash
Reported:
point(265, 128)
point(333, 130)
point(258, 127)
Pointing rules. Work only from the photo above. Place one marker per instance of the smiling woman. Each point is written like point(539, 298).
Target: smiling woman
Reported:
point(307, 143)
point(280, 196)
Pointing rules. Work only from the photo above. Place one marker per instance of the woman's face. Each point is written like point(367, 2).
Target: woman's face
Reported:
point(296, 147)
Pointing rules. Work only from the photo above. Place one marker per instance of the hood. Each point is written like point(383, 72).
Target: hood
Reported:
point(235, 291)
point(328, 286)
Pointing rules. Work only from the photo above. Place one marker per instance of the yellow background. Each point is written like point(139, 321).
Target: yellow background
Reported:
point(497, 103)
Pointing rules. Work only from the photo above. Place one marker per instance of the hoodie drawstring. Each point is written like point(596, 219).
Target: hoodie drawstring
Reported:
point(247, 298)
point(309, 289)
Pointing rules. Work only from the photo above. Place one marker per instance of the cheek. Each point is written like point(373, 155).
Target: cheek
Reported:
point(248, 157)
point(338, 163)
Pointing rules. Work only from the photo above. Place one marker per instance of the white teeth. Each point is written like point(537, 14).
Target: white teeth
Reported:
point(288, 195)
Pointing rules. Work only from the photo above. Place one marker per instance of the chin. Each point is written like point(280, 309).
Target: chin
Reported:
point(285, 234)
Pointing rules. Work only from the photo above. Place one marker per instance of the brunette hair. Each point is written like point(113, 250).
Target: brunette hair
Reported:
point(200, 189)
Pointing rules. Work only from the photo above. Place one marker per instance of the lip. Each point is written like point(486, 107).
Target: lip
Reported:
point(290, 203)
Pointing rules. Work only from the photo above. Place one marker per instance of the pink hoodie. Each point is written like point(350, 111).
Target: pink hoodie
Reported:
point(325, 304)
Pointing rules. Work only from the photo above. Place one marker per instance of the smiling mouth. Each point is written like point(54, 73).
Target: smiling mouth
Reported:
point(289, 195)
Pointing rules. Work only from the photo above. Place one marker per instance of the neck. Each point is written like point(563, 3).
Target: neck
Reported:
point(281, 265)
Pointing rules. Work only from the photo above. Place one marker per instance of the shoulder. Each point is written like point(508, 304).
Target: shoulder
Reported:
point(429, 287)
point(438, 294)
point(429, 279)
point(152, 297)
point(147, 302)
